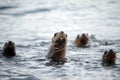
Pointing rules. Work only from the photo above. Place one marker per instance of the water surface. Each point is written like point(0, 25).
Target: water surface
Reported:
point(31, 25)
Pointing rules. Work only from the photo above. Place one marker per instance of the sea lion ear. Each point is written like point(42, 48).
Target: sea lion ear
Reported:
point(66, 35)
point(78, 36)
point(55, 34)
point(6, 44)
point(105, 52)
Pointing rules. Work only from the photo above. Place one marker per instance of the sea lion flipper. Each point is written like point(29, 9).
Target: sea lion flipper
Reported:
point(50, 52)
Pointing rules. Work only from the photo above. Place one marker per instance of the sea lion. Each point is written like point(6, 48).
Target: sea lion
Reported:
point(82, 40)
point(9, 49)
point(57, 49)
point(109, 57)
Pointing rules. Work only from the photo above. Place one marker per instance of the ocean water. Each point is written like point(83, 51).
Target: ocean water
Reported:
point(31, 25)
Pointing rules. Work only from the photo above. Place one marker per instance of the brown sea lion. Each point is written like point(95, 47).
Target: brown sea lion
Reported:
point(109, 57)
point(9, 49)
point(82, 40)
point(57, 49)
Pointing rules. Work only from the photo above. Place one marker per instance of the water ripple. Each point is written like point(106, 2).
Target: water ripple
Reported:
point(7, 7)
point(22, 13)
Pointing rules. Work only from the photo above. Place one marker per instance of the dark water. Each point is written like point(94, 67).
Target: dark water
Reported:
point(32, 23)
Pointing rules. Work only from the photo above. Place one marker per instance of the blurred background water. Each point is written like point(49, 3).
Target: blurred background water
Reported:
point(31, 25)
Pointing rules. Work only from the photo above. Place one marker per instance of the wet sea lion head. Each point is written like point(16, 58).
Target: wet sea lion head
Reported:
point(81, 40)
point(59, 39)
point(109, 57)
point(9, 49)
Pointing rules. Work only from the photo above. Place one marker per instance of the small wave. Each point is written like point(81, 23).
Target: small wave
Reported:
point(31, 77)
point(7, 7)
point(32, 45)
point(23, 46)
point(113, 2)
point(92, 36)
point(96, 42)
point(44, 43)
point(107, 42)
point(22, 13)
point(40, 59)
point(1, 42)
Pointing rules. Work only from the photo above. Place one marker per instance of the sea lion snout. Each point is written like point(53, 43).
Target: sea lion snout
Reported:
point(60, 42)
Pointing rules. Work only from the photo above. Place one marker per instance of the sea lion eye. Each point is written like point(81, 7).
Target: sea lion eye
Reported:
point(57, 40)
point(105, 52)
point(55, 34)
point(66, 35)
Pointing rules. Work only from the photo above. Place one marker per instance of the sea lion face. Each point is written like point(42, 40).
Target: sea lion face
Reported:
point(109, 57)
point(9, 49)
point(59, 39)
point(81, 40)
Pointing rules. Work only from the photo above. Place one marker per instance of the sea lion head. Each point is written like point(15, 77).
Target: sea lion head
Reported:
point(109, 57)
point(81, 40)
point(84, 39)
point(59, 39)
point(9, 49)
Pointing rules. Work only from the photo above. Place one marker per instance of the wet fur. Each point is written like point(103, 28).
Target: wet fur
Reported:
point(81, 40)
point(9, 49)
point(57, 49)
point(109, 57)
